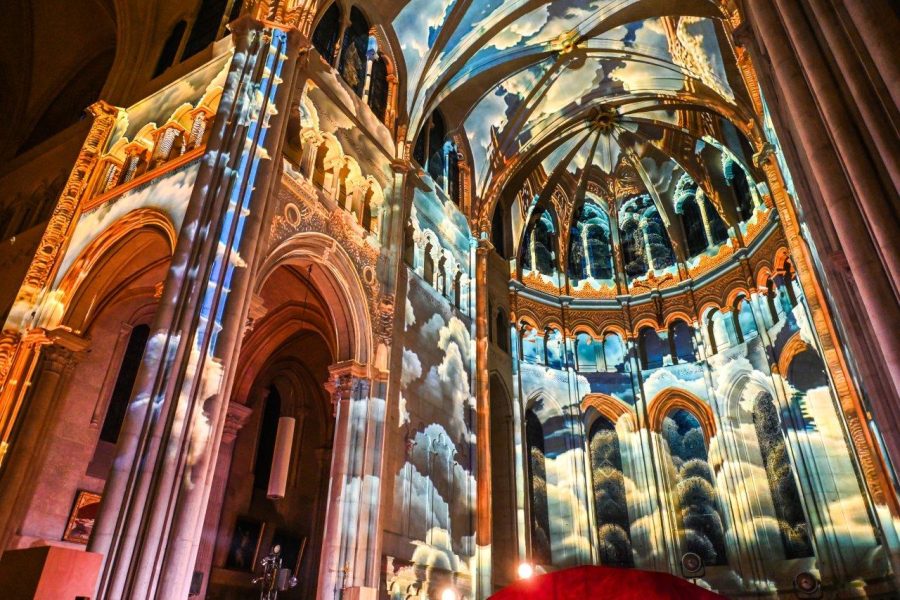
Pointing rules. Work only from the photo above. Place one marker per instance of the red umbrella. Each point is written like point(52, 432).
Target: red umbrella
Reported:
point(582, 583)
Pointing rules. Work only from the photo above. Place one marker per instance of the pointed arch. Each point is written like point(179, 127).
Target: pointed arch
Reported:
point(674, 398)
point(108, 238)
point(610, 408)
point(794, 346)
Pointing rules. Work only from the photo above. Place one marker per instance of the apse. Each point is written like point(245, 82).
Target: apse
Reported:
point(418, 298)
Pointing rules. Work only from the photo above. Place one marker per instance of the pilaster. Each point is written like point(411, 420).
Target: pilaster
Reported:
point(156, 496)
point(482, 423)
point(350, 561)
point(235, 419)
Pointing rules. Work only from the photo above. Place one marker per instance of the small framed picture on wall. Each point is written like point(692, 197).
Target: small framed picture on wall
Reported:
point(245, 541)
point(82, 517)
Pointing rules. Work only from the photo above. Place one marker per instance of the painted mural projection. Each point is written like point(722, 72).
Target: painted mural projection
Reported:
point(590, 246)
point(537, 487)
point(694, 495)
point(434, 489)
point(785, 495)
point(610, 503)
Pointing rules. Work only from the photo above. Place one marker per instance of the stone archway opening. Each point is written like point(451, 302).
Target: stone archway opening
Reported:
point(82, 388)
point(504, 546)
point(283, 368)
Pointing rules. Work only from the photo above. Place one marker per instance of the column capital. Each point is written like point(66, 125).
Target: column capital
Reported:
point(765, 153)
point(485, 245)
point(64, 349)
point(235, 419)
point(344, 379)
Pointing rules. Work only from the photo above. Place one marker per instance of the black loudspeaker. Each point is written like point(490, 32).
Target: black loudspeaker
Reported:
point(807, 586)
point(692, 565)
point(196, 584)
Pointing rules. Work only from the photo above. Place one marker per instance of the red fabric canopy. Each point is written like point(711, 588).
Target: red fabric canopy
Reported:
point(581, 583)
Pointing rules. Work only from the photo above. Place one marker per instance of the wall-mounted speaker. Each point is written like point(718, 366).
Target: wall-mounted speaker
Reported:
point(692, 565)
point(807, 585)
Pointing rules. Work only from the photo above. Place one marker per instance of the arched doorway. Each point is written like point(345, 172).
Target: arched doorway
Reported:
point(282, 372)
point(305, 356)
point(82, 387)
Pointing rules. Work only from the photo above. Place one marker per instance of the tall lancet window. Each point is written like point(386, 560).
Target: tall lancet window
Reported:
point(378, 87)
point(265, 447)
point(354, 47)
point(785, 496)
point(325, 36)
point(121, 395)
point(590, 247)
point(610, 506)
point(537, 487)
point(740, 185)
point(694, 494)
point(539, 249)
point(436, 152)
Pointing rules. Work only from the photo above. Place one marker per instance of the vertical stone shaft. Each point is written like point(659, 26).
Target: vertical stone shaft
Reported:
point(350, 561)
point(795, 79)
point(483, 412)
point(156, 494)
point(234, 421)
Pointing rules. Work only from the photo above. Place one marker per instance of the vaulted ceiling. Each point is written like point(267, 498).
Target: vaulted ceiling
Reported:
point(584, 92)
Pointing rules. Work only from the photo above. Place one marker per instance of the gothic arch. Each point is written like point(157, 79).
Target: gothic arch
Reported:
point(676, 315)
point(782, 257)
point(99, 247)
point(618, 330)
point(674, 398)
point(645, 322)
point(543, 396)
point(794, 346)
point(335, 275)
point(763, 274)
point(151, 220)
point(610, 408)
point(733, 295)
point(584, 326)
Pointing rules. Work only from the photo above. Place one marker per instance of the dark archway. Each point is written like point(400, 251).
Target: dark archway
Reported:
point(610, 504)
point(504, 546)
point(283, 366)
point(537, 490)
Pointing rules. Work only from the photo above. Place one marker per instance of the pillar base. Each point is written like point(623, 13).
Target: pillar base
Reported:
point(359, 593)
point(49, 573)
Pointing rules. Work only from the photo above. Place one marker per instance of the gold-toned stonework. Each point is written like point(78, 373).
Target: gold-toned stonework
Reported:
point(588, 290)
point(535, 281)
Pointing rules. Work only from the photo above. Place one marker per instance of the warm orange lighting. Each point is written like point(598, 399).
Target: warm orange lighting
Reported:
point(525, 571)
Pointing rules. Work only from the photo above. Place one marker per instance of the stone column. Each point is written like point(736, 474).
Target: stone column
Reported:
point(620, 276)
point(235, 419)
point(311, 142)
point(844, 216)
point(700, 199)
point(850, 148)
point(350, 562)
point(482, 423)
point(648, 251)
point(152, 516)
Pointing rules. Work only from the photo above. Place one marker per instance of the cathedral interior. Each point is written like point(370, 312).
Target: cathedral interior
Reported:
point(589, 282)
